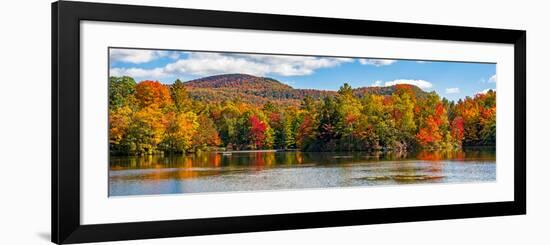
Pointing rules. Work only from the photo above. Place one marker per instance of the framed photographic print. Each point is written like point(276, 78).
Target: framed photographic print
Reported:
point(176, 122)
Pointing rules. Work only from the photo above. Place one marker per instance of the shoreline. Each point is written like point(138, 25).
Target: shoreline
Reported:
point(464, 148)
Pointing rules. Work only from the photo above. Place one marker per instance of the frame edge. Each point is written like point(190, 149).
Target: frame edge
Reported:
point(65, 121)
point(54, 166)
point(520, 117)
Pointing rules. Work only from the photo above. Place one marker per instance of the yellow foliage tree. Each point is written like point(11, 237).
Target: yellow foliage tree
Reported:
point(180, 131)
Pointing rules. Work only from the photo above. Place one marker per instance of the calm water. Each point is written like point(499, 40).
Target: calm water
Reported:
point(252, 171)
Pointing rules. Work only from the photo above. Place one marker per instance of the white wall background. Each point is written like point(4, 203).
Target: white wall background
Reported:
point(25, 121)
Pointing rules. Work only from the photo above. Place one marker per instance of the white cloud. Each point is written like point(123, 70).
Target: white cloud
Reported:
point(215, 63)
point(452, 90)
point(422, 62)
point(132, 55)
point(139, 56)
point(174, 55)
point(377, 83)
point(155, 73)
point(493, 79)
point(204, 64)
point(419, 83)
point(290, 65)
point(485, 91)
point(376, 62)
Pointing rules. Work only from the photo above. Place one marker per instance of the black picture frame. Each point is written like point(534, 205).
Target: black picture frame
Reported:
point(66, 18)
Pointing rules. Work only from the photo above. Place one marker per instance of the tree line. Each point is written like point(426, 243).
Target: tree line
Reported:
point(151, 118)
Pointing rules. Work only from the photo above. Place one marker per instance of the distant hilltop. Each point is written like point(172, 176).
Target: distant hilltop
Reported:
point(259, 90)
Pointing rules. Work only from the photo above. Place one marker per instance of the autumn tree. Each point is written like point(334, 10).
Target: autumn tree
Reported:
point(227, 123)
point(257, 132)
point(349, 110)
point(206, 135)
point(327, 125)
point(430, 134)
point(153, 93)
point(403, 113)
point(119, 121)
point(479, 118)
point(121, 91)
point(305, 133)
point(180, 97)
point(457, 130)
point(377, 109)
point(180, 131)
point(146, 131)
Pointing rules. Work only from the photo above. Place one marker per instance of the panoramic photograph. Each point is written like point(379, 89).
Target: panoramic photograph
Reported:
point(209, 122)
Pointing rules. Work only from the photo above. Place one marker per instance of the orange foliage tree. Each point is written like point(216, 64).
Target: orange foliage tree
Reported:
point(153, 93)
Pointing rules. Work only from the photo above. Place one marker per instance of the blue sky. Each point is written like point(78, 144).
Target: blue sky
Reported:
point(453, 80)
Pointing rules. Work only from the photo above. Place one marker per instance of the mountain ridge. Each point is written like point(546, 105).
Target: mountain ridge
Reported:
point(236, 79)
point(256, 89)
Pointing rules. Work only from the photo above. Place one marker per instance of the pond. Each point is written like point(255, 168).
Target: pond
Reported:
point(269, 170)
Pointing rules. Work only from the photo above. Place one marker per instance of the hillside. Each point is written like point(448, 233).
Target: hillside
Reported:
point(259, 90)
point(237, 80)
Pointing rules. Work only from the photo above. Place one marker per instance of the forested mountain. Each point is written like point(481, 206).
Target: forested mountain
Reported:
point(260, 90)
point(237, 80)
point(245, 112)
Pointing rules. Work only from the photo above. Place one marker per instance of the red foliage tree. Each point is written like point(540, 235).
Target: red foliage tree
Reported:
point(257, 131)
point(430, 133)
point(457, 129)
point(305, 131)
